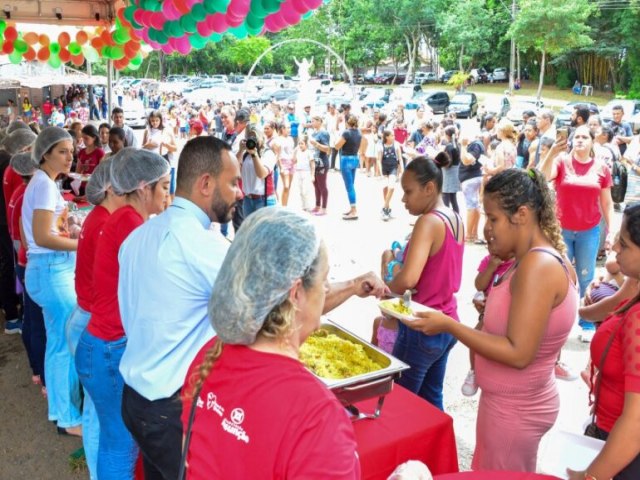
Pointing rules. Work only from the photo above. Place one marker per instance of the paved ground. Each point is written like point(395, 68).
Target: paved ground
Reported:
point(30, 448)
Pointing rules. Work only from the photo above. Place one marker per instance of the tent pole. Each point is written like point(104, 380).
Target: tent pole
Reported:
point(109, 87)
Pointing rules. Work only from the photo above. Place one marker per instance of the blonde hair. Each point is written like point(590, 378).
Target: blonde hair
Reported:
point(507, 129)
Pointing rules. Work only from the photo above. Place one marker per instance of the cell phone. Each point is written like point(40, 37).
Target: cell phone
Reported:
point(562, 134)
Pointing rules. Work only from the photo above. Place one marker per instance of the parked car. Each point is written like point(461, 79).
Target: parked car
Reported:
point(498, 107)
point(404, 93)
point(438, 100)
point(631, 109)
point(563, 118)
point(522, 105)
point(319, 85)
point(376, 98)
point(499, 75)
point(446, 76)
point(464, 105)
point(135, 115)
point(389, 78)
point(425, 77)
point(479, 75)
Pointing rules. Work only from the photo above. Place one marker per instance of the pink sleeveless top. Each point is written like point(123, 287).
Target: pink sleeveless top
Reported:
point(494, 377)
point(441, 277)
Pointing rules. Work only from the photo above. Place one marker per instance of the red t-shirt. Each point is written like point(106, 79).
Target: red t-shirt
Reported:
point(578, 187)
point(621, 372)
point(87, 162)
point(400, 135)
point(105, 322)
point(14, 212)
point(87, 243)
point(10, 182)
point(264, 416)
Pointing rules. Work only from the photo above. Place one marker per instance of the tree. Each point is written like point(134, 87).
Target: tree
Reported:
point(244, 53)
point(552, 27)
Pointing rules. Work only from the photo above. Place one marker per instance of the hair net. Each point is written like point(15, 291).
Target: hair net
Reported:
point(133, 169)
point(99, 182)
point(274, 247)
point(18, 140)
point(23, 164)
point(47, 139)
point(17, 125)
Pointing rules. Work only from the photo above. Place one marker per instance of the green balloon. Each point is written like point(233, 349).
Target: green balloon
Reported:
point(117, 52)
point(307, 15)
point(20, 46)
point(105, 51)
point(240, 31)
point(257, 10)
point(3, 25)
point(136, 61)
point(90, 53)
point(161, 38)
point(128, 12)
point(198, 12)
point(212, 6)
point(131, 66)
point(176, 29)
point(122, 36)
point(54, 61)
point(254, 23)
point(197, 41)
point(54, 48)
point(188, 24)
point(75, 48)
point(15, 57)
point(271, 6)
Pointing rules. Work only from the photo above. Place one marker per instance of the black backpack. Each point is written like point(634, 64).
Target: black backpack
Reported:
point(619, 177)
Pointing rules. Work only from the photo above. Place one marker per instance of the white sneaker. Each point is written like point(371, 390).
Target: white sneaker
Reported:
point(470, 387)
point(586, 336)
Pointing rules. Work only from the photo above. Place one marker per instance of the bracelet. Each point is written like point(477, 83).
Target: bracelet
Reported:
point(389, 276)
point(588, 476)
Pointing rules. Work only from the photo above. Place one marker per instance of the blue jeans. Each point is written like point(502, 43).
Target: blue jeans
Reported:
point(582, 247)
point(348, 167)
point(427, 356)
point(49, 281)
point(90, 425)
point(34, 335)
point(250, 205)
point(98, 363)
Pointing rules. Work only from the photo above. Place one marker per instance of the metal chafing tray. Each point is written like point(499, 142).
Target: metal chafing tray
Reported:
point(362, 387)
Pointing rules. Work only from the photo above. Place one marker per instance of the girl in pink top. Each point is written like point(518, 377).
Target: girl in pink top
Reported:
point(432, 268)
point(527, 319)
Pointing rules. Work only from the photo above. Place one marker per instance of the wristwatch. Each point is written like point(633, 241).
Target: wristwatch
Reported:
point(588, 476)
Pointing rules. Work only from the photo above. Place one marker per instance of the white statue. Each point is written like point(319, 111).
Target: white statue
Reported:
point(303, 69)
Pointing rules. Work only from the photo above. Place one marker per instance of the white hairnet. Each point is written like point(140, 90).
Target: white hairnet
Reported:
point(18, 140)
point(47, 139)
point(23, 164)
point(100, 181)
point(274, 247)
point(16, 125)
point(133, 169)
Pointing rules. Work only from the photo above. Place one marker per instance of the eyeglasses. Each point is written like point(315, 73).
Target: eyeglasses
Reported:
point(224, 116)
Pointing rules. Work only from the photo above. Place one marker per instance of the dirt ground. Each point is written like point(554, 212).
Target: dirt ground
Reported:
point(30, 448)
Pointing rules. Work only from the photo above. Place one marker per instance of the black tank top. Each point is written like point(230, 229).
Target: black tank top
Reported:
point(389, 157)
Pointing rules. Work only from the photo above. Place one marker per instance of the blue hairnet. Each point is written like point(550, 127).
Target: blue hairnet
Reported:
point(23, 164)
point(47, 139)
point(99, 182)
point(133, 169)
point(274, 247)
point(18, 140)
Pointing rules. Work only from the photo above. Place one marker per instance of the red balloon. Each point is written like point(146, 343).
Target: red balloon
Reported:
point(7, 47)
point(30, 55)
point(44, 40)
point(10, 34)
point(43, 54)
point(64, 39)
point(181, 6)
point(77, 60)
point(64, 55)
point(82, 37)
point(97, 43)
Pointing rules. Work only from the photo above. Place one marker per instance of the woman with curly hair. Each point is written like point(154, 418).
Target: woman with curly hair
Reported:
point(526, 322)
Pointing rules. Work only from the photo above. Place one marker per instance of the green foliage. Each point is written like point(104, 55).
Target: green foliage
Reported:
point(459, 80)
point(565, 78)
point(245, 52)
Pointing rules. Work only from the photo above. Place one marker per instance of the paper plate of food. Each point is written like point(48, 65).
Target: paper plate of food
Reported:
point(398, 308)
point(83, 177)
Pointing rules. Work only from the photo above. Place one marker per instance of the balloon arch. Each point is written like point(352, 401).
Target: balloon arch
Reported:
point(303, 40)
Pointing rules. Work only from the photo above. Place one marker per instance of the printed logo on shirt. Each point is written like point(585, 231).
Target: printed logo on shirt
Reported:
point(212, 404)
point(200, 403)
point(233, 426)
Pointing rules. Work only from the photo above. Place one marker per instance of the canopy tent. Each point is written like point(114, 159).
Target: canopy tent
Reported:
point(63, 12)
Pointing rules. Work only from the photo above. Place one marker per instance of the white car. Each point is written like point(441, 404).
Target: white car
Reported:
point(134, 113)
point(499, 75)
point(522, 105)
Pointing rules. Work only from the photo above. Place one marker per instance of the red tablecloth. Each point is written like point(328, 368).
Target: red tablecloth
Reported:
point(408, 429)
point(69, 197)
point(494, 476)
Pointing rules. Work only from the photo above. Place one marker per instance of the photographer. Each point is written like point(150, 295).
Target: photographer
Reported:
point(257, 162)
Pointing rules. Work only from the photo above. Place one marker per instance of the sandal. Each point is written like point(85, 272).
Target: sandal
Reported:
point(479, 241)
point(350, 216)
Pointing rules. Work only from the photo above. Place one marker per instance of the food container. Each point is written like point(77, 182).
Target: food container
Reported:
point(369, 385)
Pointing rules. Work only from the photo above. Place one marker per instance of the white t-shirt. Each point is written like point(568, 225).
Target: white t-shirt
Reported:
point(42, 194)
point(303, 160)
point(251, 184)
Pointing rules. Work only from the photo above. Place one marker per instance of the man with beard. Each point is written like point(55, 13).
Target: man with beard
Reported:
point(167, 270)
point(579, 117)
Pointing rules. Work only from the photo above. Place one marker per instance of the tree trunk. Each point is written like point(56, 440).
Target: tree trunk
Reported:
point(460, 62)
point(412, 41)
point(542, 66)
point(518, 62)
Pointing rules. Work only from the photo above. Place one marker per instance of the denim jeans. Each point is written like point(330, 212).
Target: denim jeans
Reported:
point(34, 335)
point(582, 247)
point(349, 166)
point(49, 281)
point(90, 424)
point(98, 363)
point(250, 205)
point(427, 355)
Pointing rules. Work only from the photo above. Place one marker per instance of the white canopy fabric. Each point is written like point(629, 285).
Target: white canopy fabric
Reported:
point(71, 12)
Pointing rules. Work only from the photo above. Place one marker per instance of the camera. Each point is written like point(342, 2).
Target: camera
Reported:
point(251, 144)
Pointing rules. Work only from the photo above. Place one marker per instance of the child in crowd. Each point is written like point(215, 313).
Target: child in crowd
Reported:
point(490, 269)
point(117, 140)
point(304, 173)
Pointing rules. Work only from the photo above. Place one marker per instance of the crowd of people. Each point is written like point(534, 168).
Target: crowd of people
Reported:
point(131, 379)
